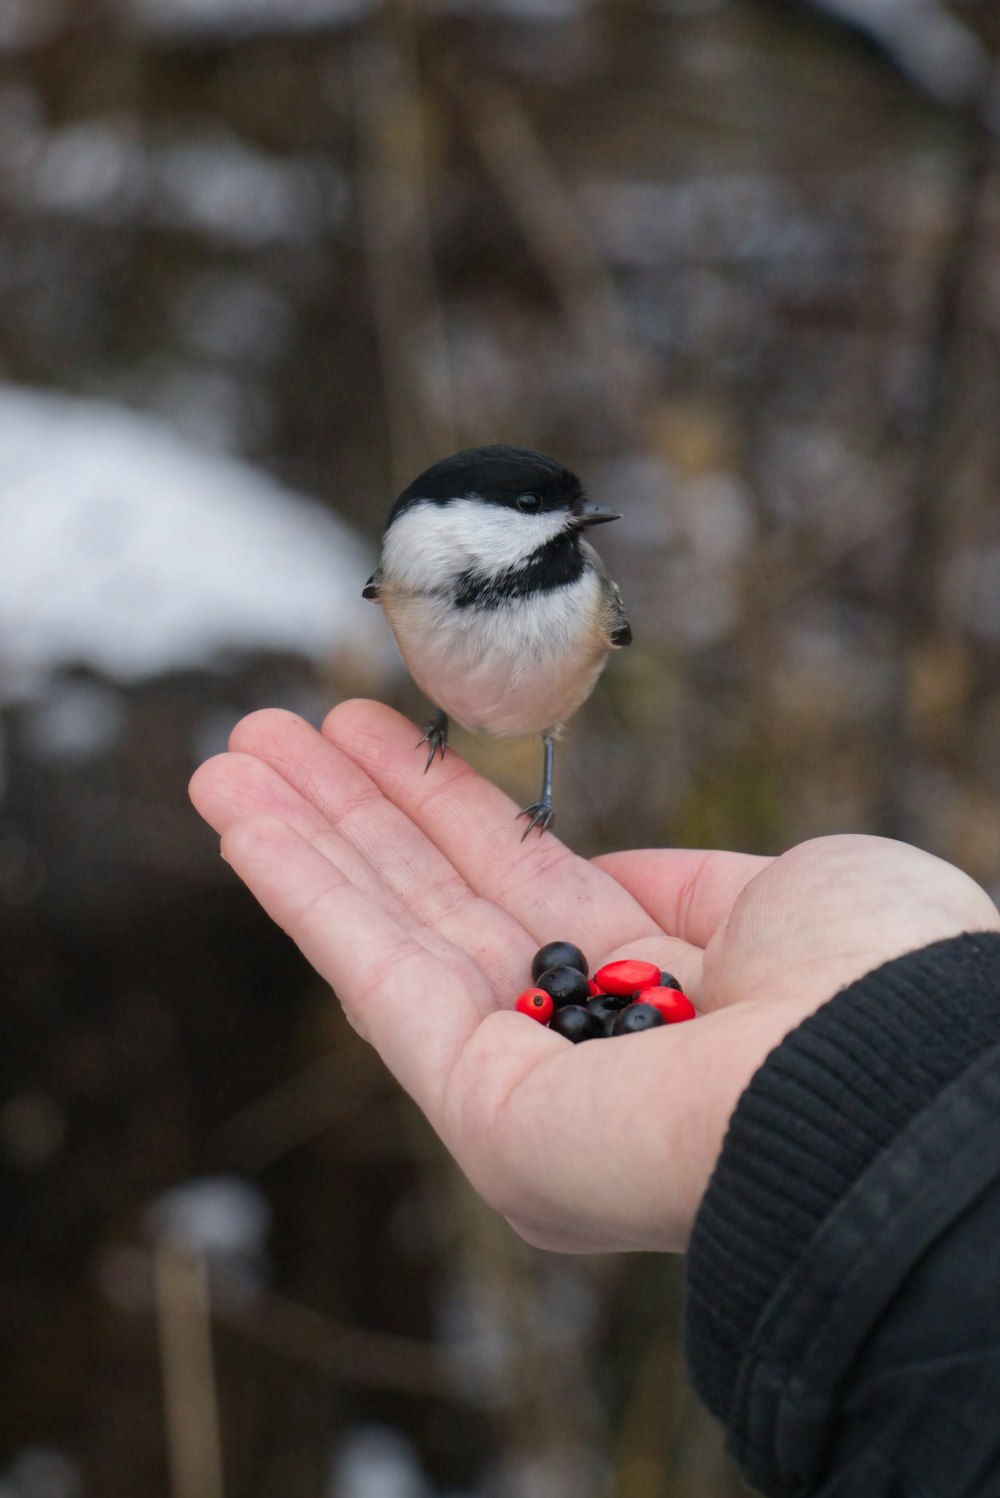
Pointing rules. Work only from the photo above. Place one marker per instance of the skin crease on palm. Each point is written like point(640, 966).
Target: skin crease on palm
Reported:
point(414, 897)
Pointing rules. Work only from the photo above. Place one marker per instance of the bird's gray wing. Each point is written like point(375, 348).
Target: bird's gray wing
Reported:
point(619, 629)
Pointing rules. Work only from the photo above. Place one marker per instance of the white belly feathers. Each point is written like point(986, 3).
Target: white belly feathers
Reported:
point(522, 669)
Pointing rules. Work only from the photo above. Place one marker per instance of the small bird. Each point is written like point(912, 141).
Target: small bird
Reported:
point(503, 613)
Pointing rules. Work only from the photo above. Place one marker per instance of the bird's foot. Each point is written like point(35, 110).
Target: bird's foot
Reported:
point(435, 735)
point(540, 814)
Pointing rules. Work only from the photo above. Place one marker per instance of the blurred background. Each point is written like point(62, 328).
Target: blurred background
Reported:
point(735, 261)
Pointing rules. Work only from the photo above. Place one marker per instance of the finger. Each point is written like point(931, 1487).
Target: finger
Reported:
point(395, 853)
point(550, 890)
point(232, 787)
point(688, 892)
point(342, 795)
point(417, 1006)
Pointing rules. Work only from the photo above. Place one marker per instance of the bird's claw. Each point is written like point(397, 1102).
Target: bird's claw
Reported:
point(436, 736)
point(540, 814)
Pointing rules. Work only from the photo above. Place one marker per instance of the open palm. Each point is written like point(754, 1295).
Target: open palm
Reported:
point(415, 898)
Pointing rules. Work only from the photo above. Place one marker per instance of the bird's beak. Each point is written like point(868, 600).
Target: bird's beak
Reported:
point(592, 515)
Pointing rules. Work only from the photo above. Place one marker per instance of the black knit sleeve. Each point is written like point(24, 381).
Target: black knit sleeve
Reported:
point(885, 1092)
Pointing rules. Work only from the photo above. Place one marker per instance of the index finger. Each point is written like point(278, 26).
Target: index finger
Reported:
point(550, 890)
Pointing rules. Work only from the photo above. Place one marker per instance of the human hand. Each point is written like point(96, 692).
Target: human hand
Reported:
point(415, 898)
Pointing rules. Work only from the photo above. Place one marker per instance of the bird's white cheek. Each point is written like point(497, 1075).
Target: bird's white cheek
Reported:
point(418, 554)
point(430, 545)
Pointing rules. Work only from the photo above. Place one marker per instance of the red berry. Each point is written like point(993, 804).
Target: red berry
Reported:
point(627, 977)
point(537, 1003)
point(595, 992)
point(672, 1004)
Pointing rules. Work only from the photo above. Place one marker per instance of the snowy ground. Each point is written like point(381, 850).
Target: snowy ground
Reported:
point(125, 548)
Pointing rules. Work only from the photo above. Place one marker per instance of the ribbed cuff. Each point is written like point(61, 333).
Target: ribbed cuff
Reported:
point(824, 1104)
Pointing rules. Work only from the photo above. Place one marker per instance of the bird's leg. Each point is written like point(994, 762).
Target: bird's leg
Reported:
point(541, 812)
point(436, 735)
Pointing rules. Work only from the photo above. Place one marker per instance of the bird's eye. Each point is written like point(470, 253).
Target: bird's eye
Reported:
point(529, 504)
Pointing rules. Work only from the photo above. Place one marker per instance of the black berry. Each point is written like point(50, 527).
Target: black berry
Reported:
point(605, 1007)
point(667, 980)
point(635, 1018)
point(573, 1022)
point(557, 954)
point(567, 985)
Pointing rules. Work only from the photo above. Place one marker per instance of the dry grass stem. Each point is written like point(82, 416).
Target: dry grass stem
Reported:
point(189, 1399)
point(302, 1107)
point(394, 196)
point(561, 238)
point(348, 1355)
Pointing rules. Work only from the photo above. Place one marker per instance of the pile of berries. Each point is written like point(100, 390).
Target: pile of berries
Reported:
point(622, 998)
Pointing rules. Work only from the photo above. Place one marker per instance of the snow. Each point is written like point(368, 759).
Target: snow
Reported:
point(223, 1221)
point(222, 1216)
point(212, 184)
point(41, 1472)
point(221, 188)
point(938, 51)
point(75, 722)
point(376, 1461)
point(126, 549)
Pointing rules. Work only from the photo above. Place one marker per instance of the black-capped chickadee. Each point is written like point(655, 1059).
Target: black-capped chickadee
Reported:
point(503, 614)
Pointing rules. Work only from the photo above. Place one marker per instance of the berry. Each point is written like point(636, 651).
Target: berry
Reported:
point(537, 1003)
point(672, 1004)
point(635, 1018)
point(667, 980)
point(595, 992)
point(575, 1024)
point(604, 1007)
point(627, 977)
point(557, 954)
point(567, 985)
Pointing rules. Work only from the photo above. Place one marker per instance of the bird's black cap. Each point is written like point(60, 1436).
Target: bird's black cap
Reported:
point(499, 475)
